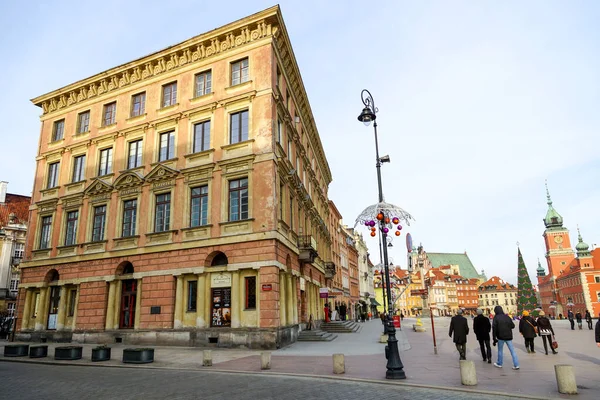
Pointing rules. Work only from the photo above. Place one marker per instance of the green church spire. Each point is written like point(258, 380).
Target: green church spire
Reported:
point(553, 218)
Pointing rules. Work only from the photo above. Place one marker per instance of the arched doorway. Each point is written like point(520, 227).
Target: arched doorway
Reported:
point(51, 279)
point(128, 295)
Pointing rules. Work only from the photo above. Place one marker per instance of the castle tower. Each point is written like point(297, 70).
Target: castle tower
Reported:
point(556, 238)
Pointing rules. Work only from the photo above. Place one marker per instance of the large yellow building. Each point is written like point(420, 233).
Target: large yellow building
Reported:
point(181, 198)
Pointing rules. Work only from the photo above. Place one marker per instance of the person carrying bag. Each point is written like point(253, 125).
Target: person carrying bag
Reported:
point(547, 333)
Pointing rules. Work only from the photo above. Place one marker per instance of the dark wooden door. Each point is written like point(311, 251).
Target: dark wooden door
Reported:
point(128, 297)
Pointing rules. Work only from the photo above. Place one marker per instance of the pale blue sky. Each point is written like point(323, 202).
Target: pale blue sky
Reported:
point(479, 103)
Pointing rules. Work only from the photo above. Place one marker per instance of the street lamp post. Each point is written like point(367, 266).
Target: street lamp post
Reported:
point(395, 369)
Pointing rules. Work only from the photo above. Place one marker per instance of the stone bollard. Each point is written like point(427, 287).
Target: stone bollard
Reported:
point(565, 379)
point(383, 338)
point(207, 358)
point(339, 365)
point(265, 360)
point(468, 374)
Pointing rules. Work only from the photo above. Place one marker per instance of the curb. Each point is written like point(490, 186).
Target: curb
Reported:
point(288, 374)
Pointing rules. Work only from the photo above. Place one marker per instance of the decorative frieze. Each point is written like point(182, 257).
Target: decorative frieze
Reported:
point(192, 51)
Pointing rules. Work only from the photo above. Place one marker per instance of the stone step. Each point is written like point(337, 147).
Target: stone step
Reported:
point(315, 335)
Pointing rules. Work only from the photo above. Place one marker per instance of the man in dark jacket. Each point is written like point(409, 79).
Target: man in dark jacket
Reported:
point(482, 327)
point(502, 327)
point(458, 325)
point(598, 333)
point(571, 318)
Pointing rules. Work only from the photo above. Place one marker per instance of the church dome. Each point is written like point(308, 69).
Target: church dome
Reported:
point(582, 247)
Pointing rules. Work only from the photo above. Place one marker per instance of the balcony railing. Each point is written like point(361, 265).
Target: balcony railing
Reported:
point(329, 270)
point(308, 248)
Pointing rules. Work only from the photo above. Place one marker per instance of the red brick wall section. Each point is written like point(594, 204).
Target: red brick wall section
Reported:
point(91, 309)
point(157, 291)
point(269, 300)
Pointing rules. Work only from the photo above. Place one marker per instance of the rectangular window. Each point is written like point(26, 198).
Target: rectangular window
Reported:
point(45, 232)
point(78, 169)
point(291, 212)
point(199, 206)
point(71, 231)
point(138, 104)
point(167, 146)
point(281, 194)
point(105, 166)
point(162, 212)
point(99, 223)
point(83, 122)
point(110, 114)
point(72, 302)
point(279, 131)
point(203, 83)
point(14, 285)
point(238, 199)
point(201, 136)
point(58, 130)
point(169, 94)
point(250, 292)
point(597, 279)
point(11, 307)
point(192, 292)
point(239, 72)
point(289, 147)
point(238, 127)
point(134, 159)
point(52, 175)
point(129, 216)
point(18, 250)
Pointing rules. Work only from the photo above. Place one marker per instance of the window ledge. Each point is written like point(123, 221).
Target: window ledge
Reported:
point(167, 108)
point(136, 118)
point(56, 142)
point(164, 161)
point(162, 232)
point(107, 127)
point(191, 228)
point(93, 242)
point(126, 238)
point(80, 134)
point(237, 145)
point(48, 190)
point(198, 99)
point(236, 222)
point(68, 246)
point(199, 154)
point(242, 85)
point(68, 185)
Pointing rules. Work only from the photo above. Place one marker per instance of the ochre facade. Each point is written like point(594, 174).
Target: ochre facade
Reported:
point(181, 198)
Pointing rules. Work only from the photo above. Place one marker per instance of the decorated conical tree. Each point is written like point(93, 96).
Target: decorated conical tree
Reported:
point(526, 299)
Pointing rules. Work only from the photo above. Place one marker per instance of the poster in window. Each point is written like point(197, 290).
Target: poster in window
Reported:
point(221, 307)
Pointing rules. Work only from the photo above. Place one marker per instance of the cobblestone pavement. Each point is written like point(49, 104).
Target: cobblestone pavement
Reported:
point(365, 360)
point(34, 381)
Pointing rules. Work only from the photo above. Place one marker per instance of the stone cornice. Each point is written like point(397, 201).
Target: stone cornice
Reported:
point(236, 34)
point(283, 47)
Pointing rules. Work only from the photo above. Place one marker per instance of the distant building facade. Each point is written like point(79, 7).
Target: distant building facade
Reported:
point(14, 214)
point(497, 292)
point(573, 278)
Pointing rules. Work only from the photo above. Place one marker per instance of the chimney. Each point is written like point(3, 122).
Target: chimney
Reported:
point(3, 188)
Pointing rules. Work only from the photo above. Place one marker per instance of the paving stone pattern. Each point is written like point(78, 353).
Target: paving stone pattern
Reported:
point(72, 382)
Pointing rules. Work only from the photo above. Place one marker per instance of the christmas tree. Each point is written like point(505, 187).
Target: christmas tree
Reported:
point(526, 299)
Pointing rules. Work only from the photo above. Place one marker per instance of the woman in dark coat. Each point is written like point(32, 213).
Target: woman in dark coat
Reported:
point(588, 319)
point(545, 330)
point(527, 329)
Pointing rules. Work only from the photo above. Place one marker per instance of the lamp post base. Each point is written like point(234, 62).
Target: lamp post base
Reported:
point(395, 368)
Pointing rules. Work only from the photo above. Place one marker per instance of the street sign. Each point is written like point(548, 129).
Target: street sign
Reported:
point(408, 242)
point(418, 292)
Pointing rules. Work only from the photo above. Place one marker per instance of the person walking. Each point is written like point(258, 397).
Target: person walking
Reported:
point(598, 333)
point(579, 320)
point(460, 328)
point(546, 331)
point(527, 328)
point(571, 319)
point(502, 327)
point(588, 319)
point(482, 328)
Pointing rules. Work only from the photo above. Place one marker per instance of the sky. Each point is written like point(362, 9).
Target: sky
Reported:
point(479, 103)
